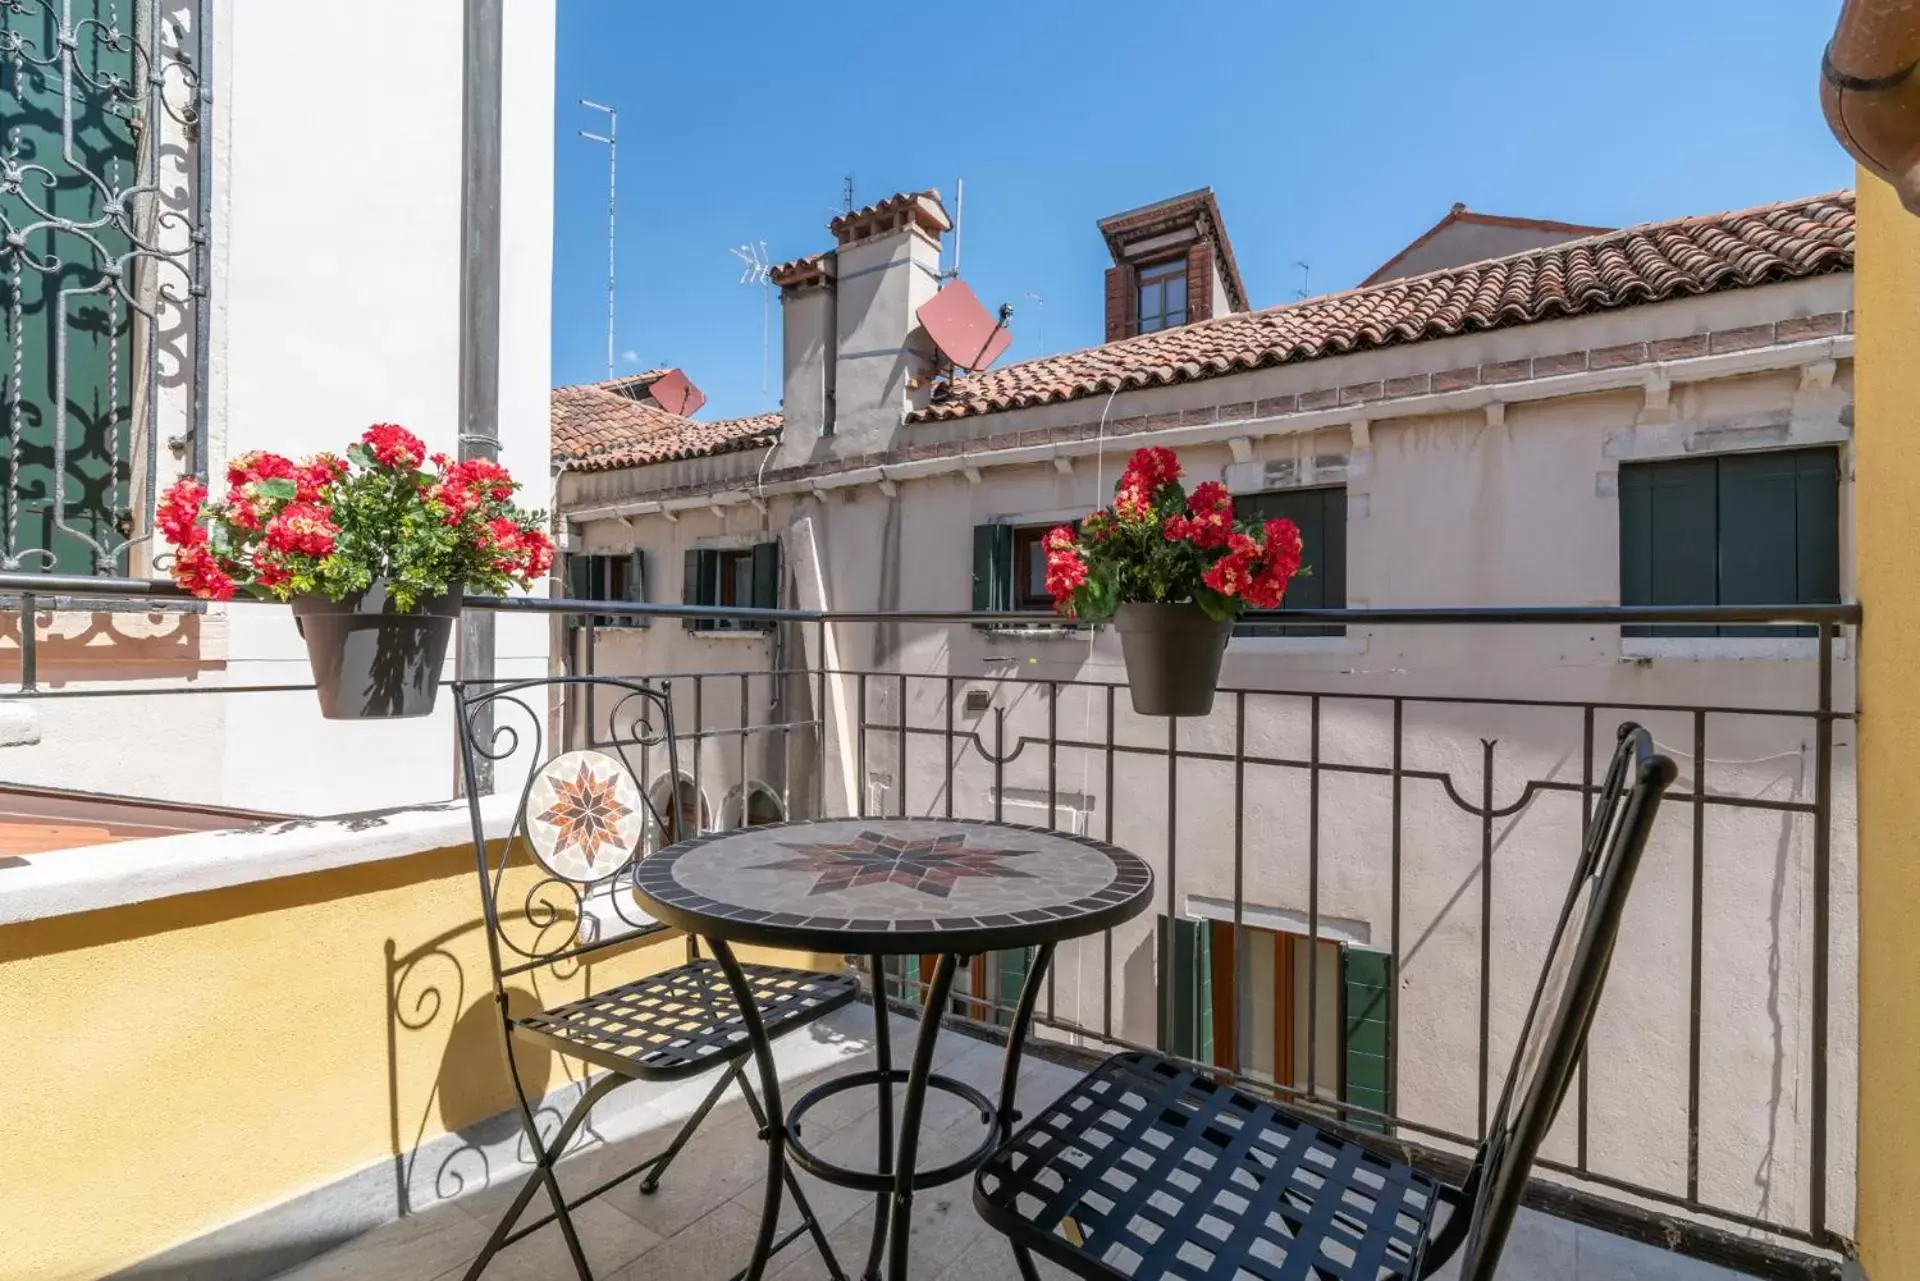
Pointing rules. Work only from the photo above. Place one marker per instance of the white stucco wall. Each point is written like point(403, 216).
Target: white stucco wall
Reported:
point(334, 304)
point(1465, 508)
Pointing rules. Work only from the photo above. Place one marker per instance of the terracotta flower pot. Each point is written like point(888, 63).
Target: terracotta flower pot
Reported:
point(1173, 657)
point(370, 660)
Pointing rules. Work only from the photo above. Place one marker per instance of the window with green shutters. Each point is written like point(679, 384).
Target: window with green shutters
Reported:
point(744, 577)
point(1197, 1016)
point(607, 576)
point(1730, 529)
point(1321, 515)
point(1366, 999)
point(1183, 1006)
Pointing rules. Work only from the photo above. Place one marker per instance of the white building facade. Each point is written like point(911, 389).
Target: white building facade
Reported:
point(326, 298)
point(1369, 838)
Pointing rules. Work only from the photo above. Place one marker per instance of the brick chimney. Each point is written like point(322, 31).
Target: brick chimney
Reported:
point(1172, 265)
point(854, 358)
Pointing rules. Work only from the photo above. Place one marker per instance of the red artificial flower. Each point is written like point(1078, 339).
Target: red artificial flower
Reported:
point(392, 445)
point(465, 485)
point(203, 573)
point(1284, 543)
point(258, 464)
point(313, 476)
point(1151, 469)
point(179, 513)
point(240, 510)
point(270, 573)
point(538, 550)
point(1132, 503)
point(1207, 496)
point(1231, 574)
point(302, 529)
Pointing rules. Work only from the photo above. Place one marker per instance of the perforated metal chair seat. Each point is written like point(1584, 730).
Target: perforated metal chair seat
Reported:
point(1146, 1169)
point(683, 1020)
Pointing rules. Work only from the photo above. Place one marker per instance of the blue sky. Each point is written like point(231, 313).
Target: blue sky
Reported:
point(1332, 134)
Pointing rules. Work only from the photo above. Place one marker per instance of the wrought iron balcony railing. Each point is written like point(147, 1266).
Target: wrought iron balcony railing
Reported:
point(1350, 864)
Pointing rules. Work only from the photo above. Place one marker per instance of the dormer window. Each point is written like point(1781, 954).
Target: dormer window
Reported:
point(1163, 295)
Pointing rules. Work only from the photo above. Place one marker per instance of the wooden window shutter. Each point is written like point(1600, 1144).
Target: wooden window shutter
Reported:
point(1123, 297)
point(697, 584)
point(766, 575)
point(992, 567)
point(580, 576)
point(1366, 1043)
point(1187, 970)
point(1817, 514)
point(1669, 533)
point(637, 577)
point(1199, 282)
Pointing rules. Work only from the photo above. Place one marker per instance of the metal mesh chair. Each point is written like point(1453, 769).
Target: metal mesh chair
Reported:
point(1149, 1169)
point(558, 889)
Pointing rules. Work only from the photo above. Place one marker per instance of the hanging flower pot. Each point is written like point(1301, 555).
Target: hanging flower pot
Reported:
point(1173, 655)
point(374, 552)
point(371, 659)
point(1173, 571)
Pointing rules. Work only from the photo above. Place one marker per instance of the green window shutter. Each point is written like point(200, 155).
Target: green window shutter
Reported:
point(1759, 544)
point(1012, 973)
point(92, 491)
point(1186, 969)
point(1321, 515)
point(699, 571)
point(766, 575)
point(580, 576)
point(992, 567)
point(637, 577)
point(1817, 516)
point(1669, 532)
point(1366, 979)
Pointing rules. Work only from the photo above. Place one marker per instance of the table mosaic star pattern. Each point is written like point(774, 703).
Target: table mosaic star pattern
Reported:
point(930, 864)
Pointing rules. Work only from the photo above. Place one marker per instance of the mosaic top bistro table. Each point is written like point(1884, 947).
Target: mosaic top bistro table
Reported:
point(891, 887)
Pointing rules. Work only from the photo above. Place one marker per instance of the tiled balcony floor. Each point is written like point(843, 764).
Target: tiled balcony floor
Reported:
point(699, 1225)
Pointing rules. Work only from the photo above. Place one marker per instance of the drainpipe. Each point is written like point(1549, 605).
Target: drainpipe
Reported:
point(480, 303)
point(1871, 94)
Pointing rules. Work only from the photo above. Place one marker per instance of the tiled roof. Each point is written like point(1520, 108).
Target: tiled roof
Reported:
point(1649, 263)
point(599, 430)
point(1460, 213)
point(1194, 208)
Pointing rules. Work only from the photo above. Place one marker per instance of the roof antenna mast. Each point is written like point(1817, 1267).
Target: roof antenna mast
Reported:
point(756, 270)
point(611, 138)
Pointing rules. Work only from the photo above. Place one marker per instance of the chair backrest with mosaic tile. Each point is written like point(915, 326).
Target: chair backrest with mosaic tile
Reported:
point(559, 885)
point(1565, 995)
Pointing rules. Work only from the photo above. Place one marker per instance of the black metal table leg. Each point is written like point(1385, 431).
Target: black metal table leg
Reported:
point(930, 1020)
point(883, 1059)
point(774, 1131)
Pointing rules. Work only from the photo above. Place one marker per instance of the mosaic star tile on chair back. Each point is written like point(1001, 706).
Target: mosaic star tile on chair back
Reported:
point(929, 864)
point(584, 816)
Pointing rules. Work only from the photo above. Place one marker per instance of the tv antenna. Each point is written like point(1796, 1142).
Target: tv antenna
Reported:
point(611, 139)
point(846, 194)
point(1305, 269)
point(756, 270)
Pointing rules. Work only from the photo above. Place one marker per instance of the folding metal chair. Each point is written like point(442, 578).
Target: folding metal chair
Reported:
point(1150, 1169)
point(557, 891)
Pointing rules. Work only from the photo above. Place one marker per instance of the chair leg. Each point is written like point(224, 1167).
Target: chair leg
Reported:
point(799, 1196)
point(1024, 1261)
point(651, 1184)
point(546, 1156)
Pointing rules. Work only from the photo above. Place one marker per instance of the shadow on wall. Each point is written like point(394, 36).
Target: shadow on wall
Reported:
point(117, 645)
point(435, 1009)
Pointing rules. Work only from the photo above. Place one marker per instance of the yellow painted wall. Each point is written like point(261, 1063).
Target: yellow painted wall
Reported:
point(175, 1066)
point(1887, 534)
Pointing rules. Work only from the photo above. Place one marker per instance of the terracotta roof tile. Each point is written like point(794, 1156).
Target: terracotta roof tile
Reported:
point(1649, 263)
point(595, 429)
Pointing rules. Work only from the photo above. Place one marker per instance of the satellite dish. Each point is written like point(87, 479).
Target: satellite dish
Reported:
point(965, 332)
